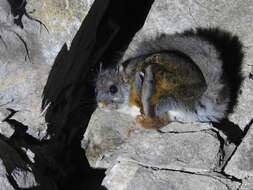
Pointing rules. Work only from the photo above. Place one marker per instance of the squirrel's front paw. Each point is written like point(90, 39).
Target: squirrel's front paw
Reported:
point(150, 122)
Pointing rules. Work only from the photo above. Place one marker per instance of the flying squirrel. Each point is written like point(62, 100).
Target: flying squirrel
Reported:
point(194, 76)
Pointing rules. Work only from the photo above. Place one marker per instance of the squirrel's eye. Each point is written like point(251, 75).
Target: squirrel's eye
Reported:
point(113, 89)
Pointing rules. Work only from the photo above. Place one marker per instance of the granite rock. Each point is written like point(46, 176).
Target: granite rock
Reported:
point(16, 167)
point(193, 148)
point(180, 156)
point(241, 164)
point(6, 130)
point(26, 56)
point(131, 176)
point(113, 138)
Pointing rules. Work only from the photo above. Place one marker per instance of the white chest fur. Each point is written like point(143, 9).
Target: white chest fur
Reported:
point(130, 110)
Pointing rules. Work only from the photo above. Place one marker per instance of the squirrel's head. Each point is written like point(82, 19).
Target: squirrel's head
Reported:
point(112, 89)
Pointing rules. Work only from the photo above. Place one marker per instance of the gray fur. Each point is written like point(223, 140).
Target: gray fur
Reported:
point(107, 78)
point(212, 105)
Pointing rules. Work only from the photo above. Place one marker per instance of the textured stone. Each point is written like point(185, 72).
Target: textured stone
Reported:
point(25, 175)
point(35, 122)
point(174, 151)
point(182, 146)
point(247, 184)
point(4, 182)
point(24, 178)
point(241, 164)
point(26, 56)
point(16, 166)
point(101, 141)
point(129, 176)
point(6, 130)
point(4, 113)
point(10, 157)
point(62, 18)
point(20, 89)
point(23, 74)
point(110, 136)
point(29, 154)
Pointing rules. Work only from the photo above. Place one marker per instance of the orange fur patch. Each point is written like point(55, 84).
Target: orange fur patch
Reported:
point(151, 122)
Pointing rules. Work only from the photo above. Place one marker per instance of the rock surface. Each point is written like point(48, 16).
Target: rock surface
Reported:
point(26, 56)
point(241, 164)
point(131, 176)
point(24, 66)
point(182, 156)
point(107, 141)
point(16, 167)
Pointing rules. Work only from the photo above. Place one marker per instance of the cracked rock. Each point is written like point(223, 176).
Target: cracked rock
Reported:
point(112, 138)
point(36, 124)
point(24, 66)
point(130, 176)
point(5, 184)
point(26, 56)
point(101, 141)
point(24, 178)
point(17, 172)
point(4, 113)
point(16, 167)
point(190, 147)
point(6, 130)
point(247, 184)
point(241, 164)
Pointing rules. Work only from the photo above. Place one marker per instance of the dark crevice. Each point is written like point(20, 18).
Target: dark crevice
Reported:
point(12, 112)
point(231, 130)
point(24, 43)
point(2, 40)
point(107, 28)
point(247, 127)
point(221, 153)
point(13, 182)
point(214, 175)
point(251, 76)
point(225, 157)
point(225, 162)
point(182, 132)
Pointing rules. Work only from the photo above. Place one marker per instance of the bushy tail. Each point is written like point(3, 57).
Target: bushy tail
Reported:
point(231, 53)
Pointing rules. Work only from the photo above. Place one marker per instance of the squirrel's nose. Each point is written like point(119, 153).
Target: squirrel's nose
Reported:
point(102, 104)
